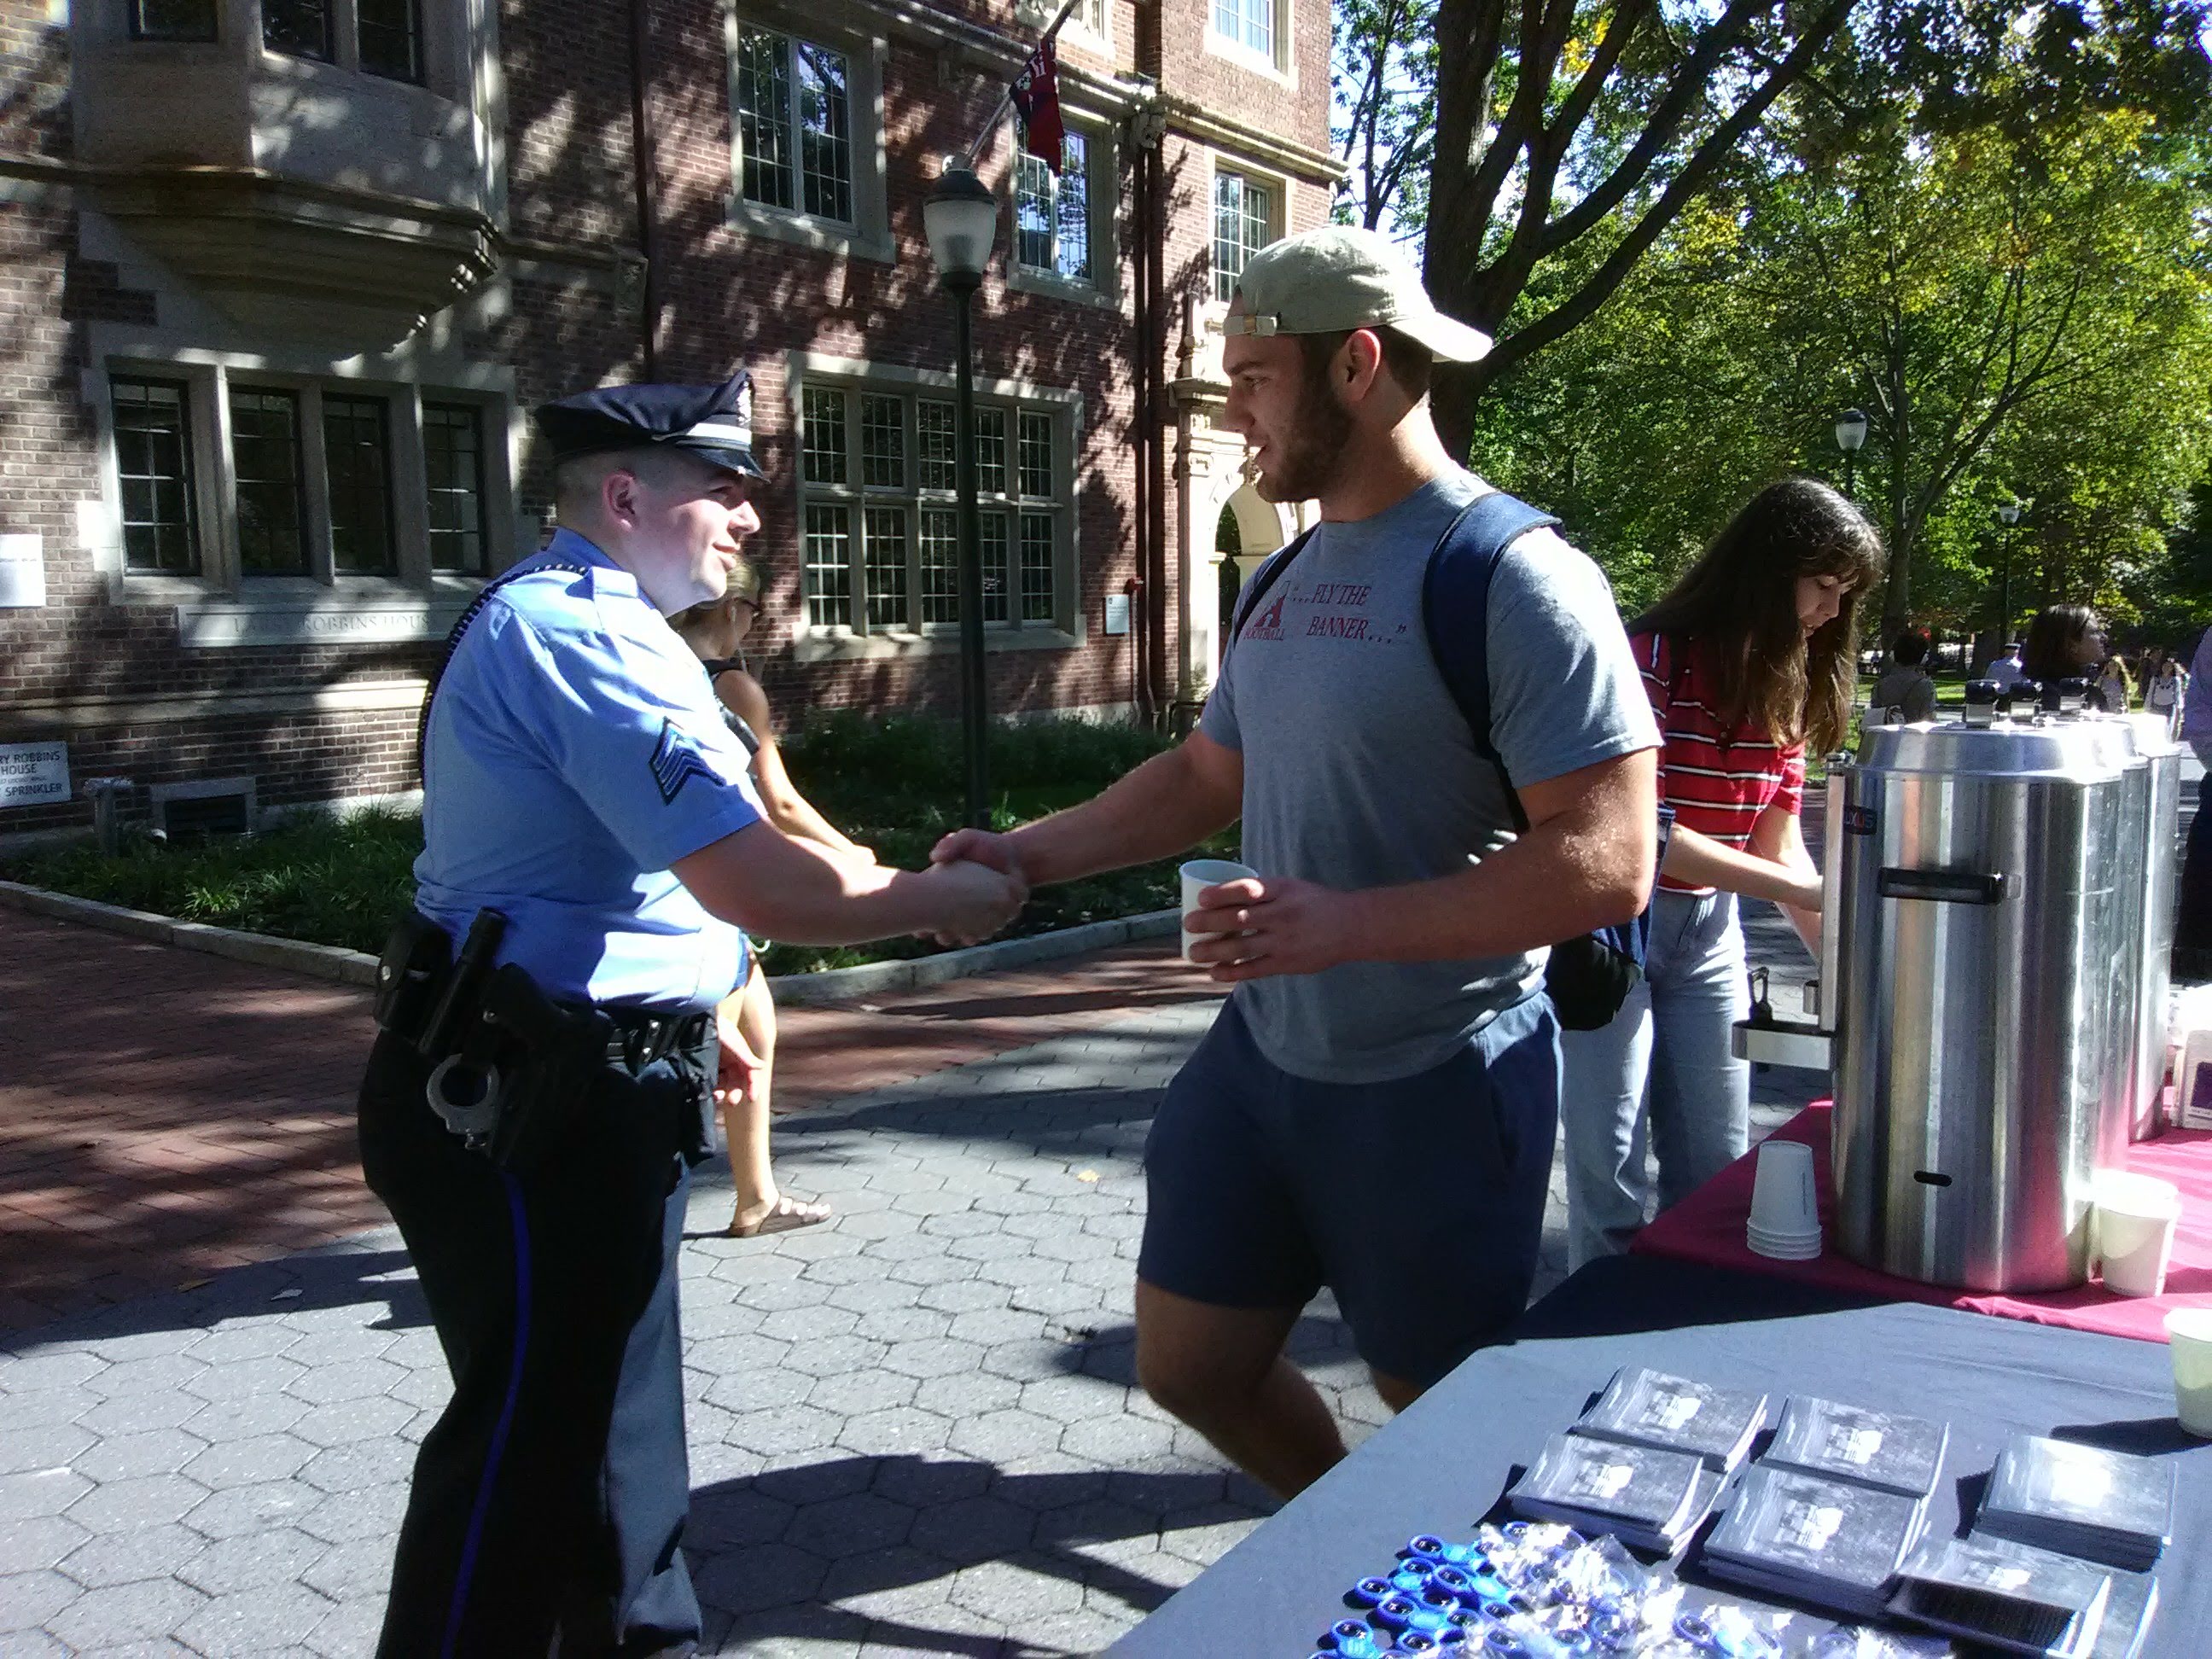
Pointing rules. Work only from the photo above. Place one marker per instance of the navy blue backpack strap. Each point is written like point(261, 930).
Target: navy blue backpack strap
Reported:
point(1455, 610)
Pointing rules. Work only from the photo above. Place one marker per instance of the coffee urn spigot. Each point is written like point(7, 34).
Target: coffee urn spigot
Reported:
point(1981, 701)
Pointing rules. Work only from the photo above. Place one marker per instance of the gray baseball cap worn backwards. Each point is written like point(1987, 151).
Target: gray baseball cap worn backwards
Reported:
point(1333, 279)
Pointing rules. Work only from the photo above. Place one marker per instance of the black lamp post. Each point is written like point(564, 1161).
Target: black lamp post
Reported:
point(962, 219)
point(2007, 516)
point(1850, 433)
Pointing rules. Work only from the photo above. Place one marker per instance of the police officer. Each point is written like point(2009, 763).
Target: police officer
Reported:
point(591, 834)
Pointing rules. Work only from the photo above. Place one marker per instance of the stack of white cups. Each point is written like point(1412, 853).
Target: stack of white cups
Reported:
point(2135, 1221)
point(1785, 1212)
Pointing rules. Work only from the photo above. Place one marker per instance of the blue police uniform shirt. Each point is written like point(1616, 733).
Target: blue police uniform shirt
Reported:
point(575, 751)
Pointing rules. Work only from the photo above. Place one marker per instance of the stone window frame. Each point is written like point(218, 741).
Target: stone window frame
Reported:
point(341, 31)
point(1103, 175)
point(1279, 65)
point(868, 235)
point(135, 30)
point(221, 603)
point(446, 44)
point(858, 639)
point(1278, 218)
point(1090, 26)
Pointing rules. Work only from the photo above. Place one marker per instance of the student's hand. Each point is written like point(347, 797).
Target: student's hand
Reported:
point(981, 846)
point(976, 900)
point(1269, 926)
point(1812, 892)
point(739, 1066)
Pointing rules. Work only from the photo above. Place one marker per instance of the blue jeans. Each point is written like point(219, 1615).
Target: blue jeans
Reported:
point(1668, 1048)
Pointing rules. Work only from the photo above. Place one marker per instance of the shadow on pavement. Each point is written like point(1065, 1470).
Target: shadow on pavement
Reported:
point(338, 1276)
point(886, 1543)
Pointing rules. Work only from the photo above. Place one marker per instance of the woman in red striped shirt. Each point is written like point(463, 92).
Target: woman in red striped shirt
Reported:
point(1750, 658)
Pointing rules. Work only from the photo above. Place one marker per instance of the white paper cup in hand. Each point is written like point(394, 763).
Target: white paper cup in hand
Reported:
point(2188, 1330)
point(1199, 874)
point(1784, 1206)
point(2136, 1217)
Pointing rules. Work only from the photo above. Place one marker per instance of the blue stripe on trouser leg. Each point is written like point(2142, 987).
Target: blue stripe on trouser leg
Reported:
point(474, 1537)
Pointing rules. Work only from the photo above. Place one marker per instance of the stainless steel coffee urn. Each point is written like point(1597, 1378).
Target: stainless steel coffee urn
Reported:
point(1993, 986)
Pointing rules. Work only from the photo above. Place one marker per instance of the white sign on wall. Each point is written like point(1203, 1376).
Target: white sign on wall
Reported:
point(34, 774)
point(1117, 613)
point(22, 571)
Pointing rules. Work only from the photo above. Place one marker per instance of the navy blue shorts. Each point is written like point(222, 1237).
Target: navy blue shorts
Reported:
point(1419, 1201)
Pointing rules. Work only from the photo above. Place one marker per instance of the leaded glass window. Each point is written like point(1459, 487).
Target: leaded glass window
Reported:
point(154, 465)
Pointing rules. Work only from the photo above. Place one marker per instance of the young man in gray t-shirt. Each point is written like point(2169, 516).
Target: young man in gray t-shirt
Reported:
point(1374, 1108)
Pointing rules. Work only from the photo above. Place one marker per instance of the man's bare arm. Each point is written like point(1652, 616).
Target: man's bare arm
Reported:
point(1587, 860)
point(1172, 802)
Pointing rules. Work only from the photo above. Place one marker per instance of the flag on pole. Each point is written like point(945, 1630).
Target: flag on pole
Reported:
point(1037, 95)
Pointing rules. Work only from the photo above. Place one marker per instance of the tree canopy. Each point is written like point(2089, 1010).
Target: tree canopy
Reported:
point(1700, 231)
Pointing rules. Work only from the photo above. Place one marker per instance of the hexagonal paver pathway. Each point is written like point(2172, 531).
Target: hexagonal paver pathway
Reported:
point(913, 1430)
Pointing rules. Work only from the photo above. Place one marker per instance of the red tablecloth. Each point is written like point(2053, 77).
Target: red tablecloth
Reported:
point(1708, 1226)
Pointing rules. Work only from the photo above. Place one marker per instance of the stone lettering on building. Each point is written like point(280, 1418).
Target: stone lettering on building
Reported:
point(204, 627)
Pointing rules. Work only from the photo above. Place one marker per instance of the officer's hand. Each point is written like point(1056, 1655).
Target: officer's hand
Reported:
point(1268, 926)
point(976, 900)
point(981, 846)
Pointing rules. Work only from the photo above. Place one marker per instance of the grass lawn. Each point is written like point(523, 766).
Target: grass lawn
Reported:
point(893, 784)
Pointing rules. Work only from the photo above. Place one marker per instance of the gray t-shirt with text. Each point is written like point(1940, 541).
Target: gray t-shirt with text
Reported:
point(1359, 770)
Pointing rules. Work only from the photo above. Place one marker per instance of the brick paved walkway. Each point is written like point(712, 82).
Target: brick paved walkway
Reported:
point(202, 1118)
point(914, 1431)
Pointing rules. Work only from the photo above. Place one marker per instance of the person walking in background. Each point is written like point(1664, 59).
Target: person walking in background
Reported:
point(2006, 672)
point(1908, 692)
point(1748, 661)
point(2063, 643)
point(2192, 921)
point(2114, 686)
point(717, 632)
point(2167, 693)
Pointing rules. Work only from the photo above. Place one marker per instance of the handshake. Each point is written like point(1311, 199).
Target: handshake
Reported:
point(977, 882)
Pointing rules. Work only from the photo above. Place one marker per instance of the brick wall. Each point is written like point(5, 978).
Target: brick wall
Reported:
point(725, 298)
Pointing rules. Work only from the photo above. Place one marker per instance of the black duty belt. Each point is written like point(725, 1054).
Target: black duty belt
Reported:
point(642, 1037)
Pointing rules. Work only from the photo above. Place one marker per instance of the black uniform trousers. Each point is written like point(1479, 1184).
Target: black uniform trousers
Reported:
point(549, 1500)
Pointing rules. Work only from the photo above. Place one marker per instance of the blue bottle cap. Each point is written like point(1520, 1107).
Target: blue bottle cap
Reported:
point(1692, 1629)
point(1367, 1592)
point(1392, 1613)
point(1500, 1609)
point(1410, 1577)
point(1503, 1643)
point(1452, 1581)
point(1414, 1641)
point(1352, 1638)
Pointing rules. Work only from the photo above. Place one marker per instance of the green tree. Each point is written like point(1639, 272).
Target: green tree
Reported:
point(2019, 316)
point(1570, 135)
point(1386, 100)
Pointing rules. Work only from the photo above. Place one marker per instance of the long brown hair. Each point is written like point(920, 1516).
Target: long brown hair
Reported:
point(2055, 639)
point(1737, 608)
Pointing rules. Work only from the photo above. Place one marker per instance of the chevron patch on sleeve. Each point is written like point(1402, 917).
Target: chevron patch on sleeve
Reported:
point(676, 761)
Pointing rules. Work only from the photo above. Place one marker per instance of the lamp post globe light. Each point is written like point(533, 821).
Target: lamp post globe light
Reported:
point(1850, 433)
point(960, 217)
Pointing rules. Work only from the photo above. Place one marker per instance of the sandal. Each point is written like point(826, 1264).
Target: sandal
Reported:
point(783, 1216)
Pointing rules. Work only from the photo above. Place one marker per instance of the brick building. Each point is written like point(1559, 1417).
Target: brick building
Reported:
point(281, 279)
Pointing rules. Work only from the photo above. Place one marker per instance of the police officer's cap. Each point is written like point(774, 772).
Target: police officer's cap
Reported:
point(714, 422)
